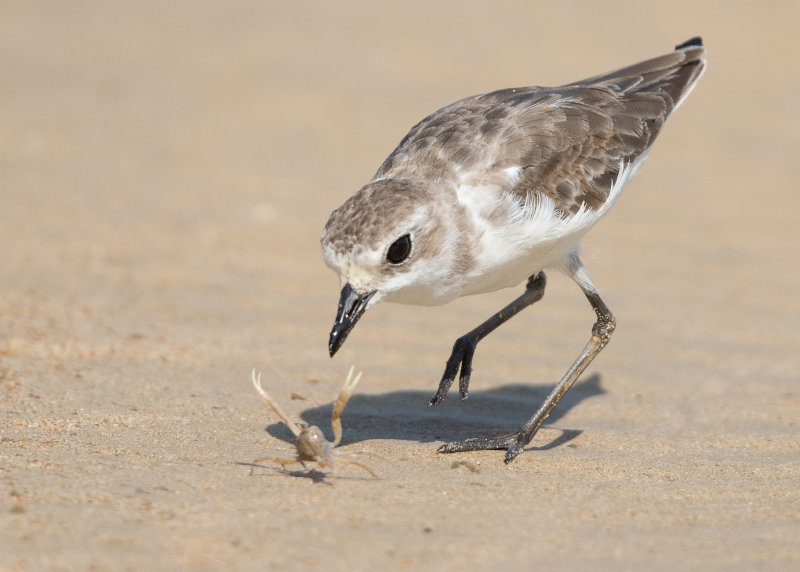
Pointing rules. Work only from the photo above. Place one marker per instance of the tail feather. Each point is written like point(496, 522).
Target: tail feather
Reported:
point(696, 41)
point(675, 73)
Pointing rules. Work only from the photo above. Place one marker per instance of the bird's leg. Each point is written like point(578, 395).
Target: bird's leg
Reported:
point(515, 441)
point(464, 348)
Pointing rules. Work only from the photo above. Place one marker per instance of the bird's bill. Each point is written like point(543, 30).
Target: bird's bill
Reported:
point(351, 307)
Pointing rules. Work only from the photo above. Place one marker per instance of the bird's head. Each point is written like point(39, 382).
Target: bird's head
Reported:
point(387, 242)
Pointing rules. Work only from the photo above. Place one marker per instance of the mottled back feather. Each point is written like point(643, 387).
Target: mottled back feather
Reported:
point(566, 143)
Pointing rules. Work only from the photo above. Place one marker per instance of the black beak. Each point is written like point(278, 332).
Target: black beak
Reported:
point(351, 307)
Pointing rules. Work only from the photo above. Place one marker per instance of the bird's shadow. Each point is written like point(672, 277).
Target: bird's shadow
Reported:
point(403, 415)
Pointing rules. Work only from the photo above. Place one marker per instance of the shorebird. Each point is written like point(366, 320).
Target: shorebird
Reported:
point(496, 188)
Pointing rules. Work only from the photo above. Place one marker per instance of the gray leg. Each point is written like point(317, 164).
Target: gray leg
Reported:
point(464, 348)
point(601, 332)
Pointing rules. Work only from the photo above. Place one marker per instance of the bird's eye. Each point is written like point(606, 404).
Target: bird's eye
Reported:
point(399, 250)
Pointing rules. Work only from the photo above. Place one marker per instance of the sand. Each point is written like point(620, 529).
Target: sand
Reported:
point(165, 172)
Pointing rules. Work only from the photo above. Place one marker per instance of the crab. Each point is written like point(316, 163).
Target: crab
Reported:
point(310, 443)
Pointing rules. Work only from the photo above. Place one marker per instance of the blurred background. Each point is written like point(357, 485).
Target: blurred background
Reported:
point(166, 170)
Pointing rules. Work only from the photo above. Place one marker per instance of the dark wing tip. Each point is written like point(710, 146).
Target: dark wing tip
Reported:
point(696, 41)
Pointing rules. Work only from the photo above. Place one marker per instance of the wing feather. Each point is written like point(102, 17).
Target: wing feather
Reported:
point(566, 143)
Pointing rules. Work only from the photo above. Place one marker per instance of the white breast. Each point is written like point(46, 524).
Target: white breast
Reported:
point(512, 241)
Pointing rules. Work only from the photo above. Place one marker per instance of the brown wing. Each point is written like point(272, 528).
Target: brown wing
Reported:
point(568, 141)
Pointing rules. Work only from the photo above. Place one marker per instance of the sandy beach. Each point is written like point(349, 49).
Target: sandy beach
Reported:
point(165, 172)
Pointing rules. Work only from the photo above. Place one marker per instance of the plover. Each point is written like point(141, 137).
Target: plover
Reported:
point(497, 188)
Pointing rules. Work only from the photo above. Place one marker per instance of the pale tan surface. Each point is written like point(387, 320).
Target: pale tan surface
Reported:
point(164, 176)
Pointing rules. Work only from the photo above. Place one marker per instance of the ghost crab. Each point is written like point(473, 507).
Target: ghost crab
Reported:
point(310, 444)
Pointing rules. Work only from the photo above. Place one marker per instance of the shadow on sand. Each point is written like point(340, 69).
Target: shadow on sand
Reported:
point(403, 415)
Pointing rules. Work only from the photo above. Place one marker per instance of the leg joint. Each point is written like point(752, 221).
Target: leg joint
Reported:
point(604, 327)
point(536, 282)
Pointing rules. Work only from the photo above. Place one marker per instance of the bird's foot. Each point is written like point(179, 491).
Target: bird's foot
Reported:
point(460, 360)
point(513, 443)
